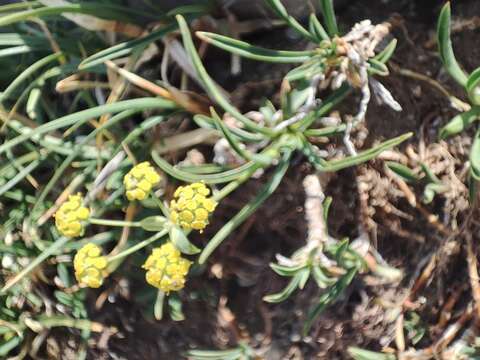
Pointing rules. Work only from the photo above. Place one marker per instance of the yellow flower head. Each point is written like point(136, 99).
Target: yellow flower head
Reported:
point(90, 266)
point(140, 180)
point(191, 206)
point(166, 269)
point(69, 217)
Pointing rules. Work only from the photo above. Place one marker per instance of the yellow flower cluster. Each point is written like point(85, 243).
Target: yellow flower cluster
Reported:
point(140, 180)
point(90, 266)
point(192, 206)
point(166, 269)
point(69, 217)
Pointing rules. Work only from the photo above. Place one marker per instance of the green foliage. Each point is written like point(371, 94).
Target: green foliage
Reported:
point(57, 142)
point(241, 352)
point(445, 46)
point(471, 84)
point(361, 354)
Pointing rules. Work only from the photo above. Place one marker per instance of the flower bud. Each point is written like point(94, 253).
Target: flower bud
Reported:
point(70, 215)
point(140, 180)
point(191, 207)
point(90, 266)
point(166, 269)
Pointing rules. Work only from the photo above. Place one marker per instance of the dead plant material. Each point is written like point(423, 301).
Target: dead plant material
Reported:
point(473, 272)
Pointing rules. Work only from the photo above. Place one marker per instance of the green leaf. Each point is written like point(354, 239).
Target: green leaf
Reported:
point(431, 177)
point(385, 55)
point(248, 209)
point(217, 178)
point(26, 74)
point(401, 170)
point(326, 131)
point(55, 247)
point(473, 86)
point(154, 223)
point(283, 270)
point(288, 290)
point(195, 9)
point(329, 15)
point(175, 308)
point(125, 48)
point(282, 13)
point(249, 51)
point(460, 122)
point(327, 298)
point(323, 281)
point(207, 122)
point(94, 9)
point(240, 149)
point(475, 157)
point(364, 156)
point(80, 146)
point(326, 208)
point(210, 85)
point(428, 195)
point(304, 276)
point(207, 168)
point(9, 345)
point(377, 68)
point(327, 105)
point(85, 115)
point(24, 172)
point(17, 50)
point(308, 70)
point(340, 249)
point(316, 29)
point(181, 242)
point(361, 354)
point(294, 99)
point(64, 275)
point(232, 354)
point(21, 5)
point(445, 46)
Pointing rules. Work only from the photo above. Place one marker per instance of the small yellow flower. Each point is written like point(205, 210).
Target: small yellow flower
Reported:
point(140, 180)
point(166, 269)
point(90, 266)
point(192, 206)
point(69, 217)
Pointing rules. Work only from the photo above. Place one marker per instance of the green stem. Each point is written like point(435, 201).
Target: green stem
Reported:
point(114, 222)
point(163, 208)
point(158, 308)
point(247, 210)
point(139, 246)
point(272, 152)
point(233, 185)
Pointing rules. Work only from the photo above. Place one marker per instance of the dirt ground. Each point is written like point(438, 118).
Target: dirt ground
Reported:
point(226, 306)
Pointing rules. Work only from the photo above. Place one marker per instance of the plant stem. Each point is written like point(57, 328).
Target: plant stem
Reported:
point(248, 209)
point(233, 185)
point(138, 246)
point(163, 208)
point(114, 222)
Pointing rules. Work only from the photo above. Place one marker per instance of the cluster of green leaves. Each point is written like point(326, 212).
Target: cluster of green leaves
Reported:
point(279, 142)
point(49, 142)
point(313, 265)
point(471, 84)
point(431, 184)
